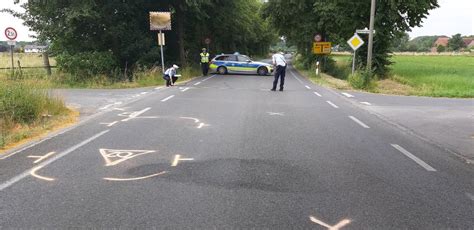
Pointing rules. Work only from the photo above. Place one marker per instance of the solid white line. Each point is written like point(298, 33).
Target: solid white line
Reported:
point(365, 103)
point(26, 173)
point(347, 95)
point(209, 78)
point(332, 104)
point(414, 158)
point(319, 95)
point(359, 122)
point(307, 87)
point(167, 98)
point(296, 78)
point(197, 83)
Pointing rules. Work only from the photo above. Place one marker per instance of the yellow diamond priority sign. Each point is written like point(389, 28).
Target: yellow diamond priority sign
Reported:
point(355, 42)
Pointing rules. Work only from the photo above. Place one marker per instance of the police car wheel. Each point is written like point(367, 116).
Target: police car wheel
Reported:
point(262, 71)
point(222, 70)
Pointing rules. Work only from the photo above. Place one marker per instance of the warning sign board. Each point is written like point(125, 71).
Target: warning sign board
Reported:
point(321, 47)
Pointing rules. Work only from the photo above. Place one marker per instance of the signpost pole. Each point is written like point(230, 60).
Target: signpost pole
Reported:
point(353, 62)
point(371, 36)
point(162, 57)
point(13, 65)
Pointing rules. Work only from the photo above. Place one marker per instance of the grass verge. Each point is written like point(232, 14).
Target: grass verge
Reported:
point(27, 110)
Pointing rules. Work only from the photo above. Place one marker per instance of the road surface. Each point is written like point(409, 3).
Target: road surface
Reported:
point(225, 152)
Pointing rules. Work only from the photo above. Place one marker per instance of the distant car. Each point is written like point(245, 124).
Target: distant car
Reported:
point(237, 63)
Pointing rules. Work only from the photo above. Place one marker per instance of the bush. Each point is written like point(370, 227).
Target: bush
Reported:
point(87, 64)
point(362, 80)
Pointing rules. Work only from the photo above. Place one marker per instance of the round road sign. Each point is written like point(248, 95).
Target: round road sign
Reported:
point(207, 41)
point(318, 38)
point(11, 33)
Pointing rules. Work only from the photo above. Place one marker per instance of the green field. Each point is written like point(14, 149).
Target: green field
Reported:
point(438, 76)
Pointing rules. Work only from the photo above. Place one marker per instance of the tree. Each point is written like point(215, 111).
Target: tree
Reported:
point(400, 43)
point(117, 31)
point(440, 49)
point(338, 20)
point(456, 42)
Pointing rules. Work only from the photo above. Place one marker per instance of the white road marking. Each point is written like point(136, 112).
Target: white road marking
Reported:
point(26, 173)
point(191, 118)
point(33, 173)
point(143, 93)
point(470, 196)
point(332, 104)
point(319, 95)
point(339, 225)
point(297, 78)
point(197, 83)
point(41, 158)
point(115, 156)
point(275, 114)
point(178, 158)
point(185, 89)
point(347, 95)
point(158, 88)
point(414, 158)
point(359, 122)
point(307, 87)
point(365, 103)
point(167, 98)
point(208, 78)
point(202, 125)
point(107, 106)
point(136, 114)
point(34, 144)
point(135, 178)
point(109, 124)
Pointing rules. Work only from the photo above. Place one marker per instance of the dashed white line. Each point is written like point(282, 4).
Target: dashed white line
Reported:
point(143, 93)
point(332, 104)
point(319, 95)
point(297, 78)
point(307, 87)
point(136, 114)
point(26, 173)
point(359, 122)
point(185, 89)
point(167, 98)
point(365, 103)
point(197, 83)
point(414, 158)
point(109, 124)
point(347, 95)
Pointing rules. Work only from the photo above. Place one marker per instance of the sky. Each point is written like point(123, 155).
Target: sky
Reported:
point(452, 17)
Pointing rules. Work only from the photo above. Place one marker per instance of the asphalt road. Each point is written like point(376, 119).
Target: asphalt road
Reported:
point(225, 152)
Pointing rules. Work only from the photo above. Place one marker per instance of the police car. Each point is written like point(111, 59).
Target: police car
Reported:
point(237, 63)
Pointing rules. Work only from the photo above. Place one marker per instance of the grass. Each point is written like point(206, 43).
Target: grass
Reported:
point(436, 76)
point(26, 108)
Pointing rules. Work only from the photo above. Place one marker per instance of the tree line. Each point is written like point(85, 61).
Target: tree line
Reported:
point(337, 21)
point(107, 37)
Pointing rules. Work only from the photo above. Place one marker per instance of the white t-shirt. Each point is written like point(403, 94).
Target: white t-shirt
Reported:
point(279, 59)
point(170, 72)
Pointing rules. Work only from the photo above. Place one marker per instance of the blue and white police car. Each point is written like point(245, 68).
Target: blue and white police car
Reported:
point(238, 63)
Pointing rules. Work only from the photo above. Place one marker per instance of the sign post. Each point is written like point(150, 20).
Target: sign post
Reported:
point(160, 21)
point(355, 42)
point(11, 34)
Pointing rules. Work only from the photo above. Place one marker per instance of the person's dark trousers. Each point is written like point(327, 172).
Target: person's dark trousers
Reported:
point(174, 79)
point(168, 80)
point(279, 74)
point(205, 68)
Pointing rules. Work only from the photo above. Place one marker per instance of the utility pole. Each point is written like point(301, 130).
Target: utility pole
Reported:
point(371, 36)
